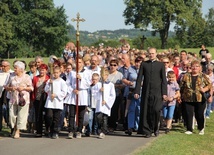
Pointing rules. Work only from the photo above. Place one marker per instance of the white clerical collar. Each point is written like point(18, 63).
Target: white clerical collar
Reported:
point(153, 60)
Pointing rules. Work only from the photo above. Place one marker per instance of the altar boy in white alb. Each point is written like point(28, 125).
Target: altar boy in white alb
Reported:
point(83, 76)
point(54, 102)
point(106, 98)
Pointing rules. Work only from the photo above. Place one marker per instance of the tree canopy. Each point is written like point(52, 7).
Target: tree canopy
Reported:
point(32, 27)
point(159, 14)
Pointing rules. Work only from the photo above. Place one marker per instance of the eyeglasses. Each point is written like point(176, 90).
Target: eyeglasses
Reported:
point(195, 66)
point(4, 66)
point(113, 65)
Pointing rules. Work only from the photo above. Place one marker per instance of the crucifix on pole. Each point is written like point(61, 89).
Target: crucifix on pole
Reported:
point(78, 19)
point(142, 41)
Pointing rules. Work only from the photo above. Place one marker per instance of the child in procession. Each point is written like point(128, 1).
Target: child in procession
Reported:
point(93, 91)
point(173, 93)
point(56, 89)
point(106, 97)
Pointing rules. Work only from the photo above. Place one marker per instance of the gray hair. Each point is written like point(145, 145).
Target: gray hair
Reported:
point(38, 58)
point(6, 61)
point(209, 55)
point(210, 66)
point(20, 65)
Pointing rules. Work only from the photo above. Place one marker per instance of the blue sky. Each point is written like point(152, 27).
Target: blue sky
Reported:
point(103, 14)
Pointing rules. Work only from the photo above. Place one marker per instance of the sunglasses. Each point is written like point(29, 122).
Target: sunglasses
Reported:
point(166, 62)
point(113, 65)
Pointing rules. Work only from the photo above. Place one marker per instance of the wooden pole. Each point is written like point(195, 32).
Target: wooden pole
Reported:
point(102, 72)
point(77, 66)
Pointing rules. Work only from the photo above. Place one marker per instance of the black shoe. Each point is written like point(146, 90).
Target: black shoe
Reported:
point(156, 133)
point(148, 135)
point(128, 132)
point(11, 132)
point(55, 136)
point(49, 135)
point(87, 134)
point(95, 133)
point(167, 130)
point(38, 135)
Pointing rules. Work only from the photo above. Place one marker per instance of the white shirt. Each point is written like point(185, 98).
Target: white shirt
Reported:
point(83, 85)
point(60, 90)
point(109, 97)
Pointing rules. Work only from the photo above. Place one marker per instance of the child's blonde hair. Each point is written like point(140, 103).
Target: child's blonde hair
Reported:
point(94, 75)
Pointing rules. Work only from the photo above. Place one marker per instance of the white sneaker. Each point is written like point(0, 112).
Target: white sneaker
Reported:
point(102, 135)
point(70, 135)
point(201, 132)
point(207, 117)
point(211, 111)
point(79, 135)
point(188, 132)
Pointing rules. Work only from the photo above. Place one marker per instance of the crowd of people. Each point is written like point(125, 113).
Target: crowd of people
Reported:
point(91, 92)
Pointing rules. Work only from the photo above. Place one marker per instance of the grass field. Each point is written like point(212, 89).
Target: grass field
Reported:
point(178, 143)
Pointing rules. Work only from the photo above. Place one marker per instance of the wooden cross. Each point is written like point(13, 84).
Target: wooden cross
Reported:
point(142, 41)
point(78, 19)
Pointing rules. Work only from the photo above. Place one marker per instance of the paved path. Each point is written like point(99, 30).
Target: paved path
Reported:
point(115, 144)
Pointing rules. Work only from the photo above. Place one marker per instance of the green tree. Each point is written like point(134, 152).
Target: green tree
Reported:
point(159, 14)
point(209, 29)
point(37, 25)
point(195, 32)
point(6, 33)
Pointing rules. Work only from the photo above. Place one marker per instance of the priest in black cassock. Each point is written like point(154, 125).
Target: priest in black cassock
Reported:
point(154, 91)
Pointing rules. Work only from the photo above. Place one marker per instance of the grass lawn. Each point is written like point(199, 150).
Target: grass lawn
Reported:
point(178, 143)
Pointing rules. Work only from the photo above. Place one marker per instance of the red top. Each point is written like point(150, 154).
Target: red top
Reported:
point(35, 80)
point(176, 71)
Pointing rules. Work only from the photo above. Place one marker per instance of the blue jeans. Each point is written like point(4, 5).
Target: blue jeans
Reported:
point(92, 122)
point(209, 107)
point(212, 104)
point(168, 111)
point(134, 114)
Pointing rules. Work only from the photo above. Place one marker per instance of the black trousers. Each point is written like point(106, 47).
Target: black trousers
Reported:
point(102, 120)
point(150, 115)
point(4, 100)
point(1, 104)
point(53, 118)
point(72, 113)
point(114, 113)
point(196, 109)
point(39, 108)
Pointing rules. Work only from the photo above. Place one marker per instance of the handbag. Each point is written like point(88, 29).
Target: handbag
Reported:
point(22, 101)
point(206, 96)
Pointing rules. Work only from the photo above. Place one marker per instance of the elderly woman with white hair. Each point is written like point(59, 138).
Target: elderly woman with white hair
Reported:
point(20, 86)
